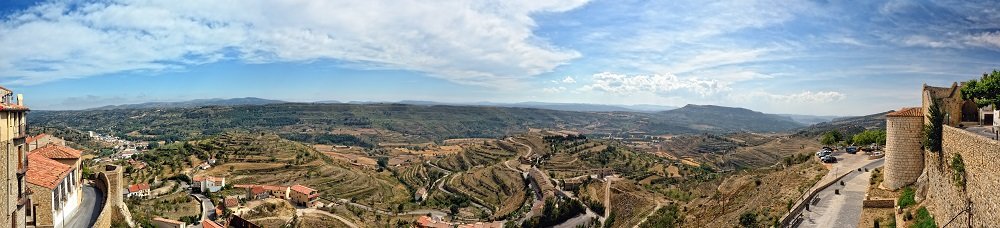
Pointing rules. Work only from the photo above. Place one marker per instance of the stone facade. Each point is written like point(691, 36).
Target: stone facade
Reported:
point(979, 154)
point(904, 158)
point(13, 132)
point(109, 181)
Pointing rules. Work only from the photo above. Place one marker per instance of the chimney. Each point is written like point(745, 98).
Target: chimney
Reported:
point(20, 98)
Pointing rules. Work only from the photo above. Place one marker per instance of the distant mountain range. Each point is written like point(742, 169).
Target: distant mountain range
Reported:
point(575, 107)
point(810, 119)
point(194, 103)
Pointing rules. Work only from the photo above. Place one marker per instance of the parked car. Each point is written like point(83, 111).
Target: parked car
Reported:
point(827, 148)
point(828, 159)
point(823, 153)
point(851, 150)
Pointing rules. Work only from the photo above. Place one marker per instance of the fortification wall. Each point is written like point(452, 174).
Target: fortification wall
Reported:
point(110, 182)
point(948, 201)
point(904, 160)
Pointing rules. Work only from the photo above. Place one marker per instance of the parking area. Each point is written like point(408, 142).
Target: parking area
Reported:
point(840, 205)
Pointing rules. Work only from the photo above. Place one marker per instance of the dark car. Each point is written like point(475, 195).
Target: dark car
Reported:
point(851, 150)
point(828, 159)
point(827, 148)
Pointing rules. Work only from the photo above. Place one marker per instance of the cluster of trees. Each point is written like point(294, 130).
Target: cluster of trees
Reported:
point(876, 136)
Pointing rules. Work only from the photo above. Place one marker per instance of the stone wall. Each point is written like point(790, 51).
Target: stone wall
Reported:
point(878, 203)
point(789, 219)
point(904, 160)
point(948, 201)
point(43, 198)
point(109, 182)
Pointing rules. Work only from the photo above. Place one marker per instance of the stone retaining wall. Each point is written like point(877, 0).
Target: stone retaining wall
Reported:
point(786, 221)
point(109, 182)
point(879, 203)
point(981, 157)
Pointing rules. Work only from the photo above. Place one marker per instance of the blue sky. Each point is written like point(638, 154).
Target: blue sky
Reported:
point(803, 57)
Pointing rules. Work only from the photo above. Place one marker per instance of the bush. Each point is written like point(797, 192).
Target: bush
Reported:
point(924, 219)
point(906, 199)
point(748, 219)
point(958, 168)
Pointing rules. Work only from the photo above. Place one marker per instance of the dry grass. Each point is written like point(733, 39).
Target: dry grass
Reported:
point(630, 203)
point(496, 187)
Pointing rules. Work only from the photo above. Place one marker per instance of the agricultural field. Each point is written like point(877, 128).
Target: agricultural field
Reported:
point(630, 203)
point(178, 206)
point(496, 187)
point(489, 153)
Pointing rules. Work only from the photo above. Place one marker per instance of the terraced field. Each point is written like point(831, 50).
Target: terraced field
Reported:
point(416, 176)
point(494, 186)
point(267, 159)
point(630, 203)
point(489, 153)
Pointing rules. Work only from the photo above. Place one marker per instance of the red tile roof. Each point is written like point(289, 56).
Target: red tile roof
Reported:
point(302, 189)
point(33, 138)
point(256, 190)
point(232, 202)
point(210, 224)
point(55, 151)
point(45, 172)
point(907, 112)
point(138, 187)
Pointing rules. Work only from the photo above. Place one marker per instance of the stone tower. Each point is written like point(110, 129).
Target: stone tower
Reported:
point(904, 157)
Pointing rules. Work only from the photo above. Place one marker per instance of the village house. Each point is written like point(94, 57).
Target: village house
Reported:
point(56, 191)
point(13, 131)
point(256, 192)
point(302, 195)
point(34, 142)
point(209, 183)
point(167, 223)
point(137, 190)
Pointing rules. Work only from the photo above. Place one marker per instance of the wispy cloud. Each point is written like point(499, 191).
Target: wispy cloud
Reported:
point(465, 42)
point(623, 84)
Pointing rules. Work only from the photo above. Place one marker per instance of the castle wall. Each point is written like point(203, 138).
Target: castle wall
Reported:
point(979, 154)
point(951, 106)
point(904, 158)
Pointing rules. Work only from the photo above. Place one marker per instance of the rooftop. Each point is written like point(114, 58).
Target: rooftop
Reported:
point(302, 189)
point(138, 187)
point(54, 151)
point(907, 112)
point(169, 221)
point(45, 172)
point(210, 224)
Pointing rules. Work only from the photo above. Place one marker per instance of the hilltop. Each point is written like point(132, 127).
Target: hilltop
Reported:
point(194, 103)
point(356, 124)
point(719, 118)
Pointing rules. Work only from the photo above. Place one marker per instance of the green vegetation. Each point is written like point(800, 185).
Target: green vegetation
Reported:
point(985, 91)
point(870, 136)
point(958, 170)
point(907, 197)
point(748, 219)
point(555, 212)
point(932, 131)
point(831, 138)
point(924, 219)
point(667, 216)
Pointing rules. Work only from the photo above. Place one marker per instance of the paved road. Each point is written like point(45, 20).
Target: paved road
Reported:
point(89, 210)
point(207, 208)
point(844, 209)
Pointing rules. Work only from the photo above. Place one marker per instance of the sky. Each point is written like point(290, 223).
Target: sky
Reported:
point(781, 56)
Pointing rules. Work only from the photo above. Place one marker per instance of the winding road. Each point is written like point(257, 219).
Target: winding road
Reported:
point(90, 208)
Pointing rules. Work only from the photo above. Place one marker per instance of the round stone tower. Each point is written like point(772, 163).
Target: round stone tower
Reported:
point(904, 158)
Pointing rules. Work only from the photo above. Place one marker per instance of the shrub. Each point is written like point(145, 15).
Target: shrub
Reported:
point(932, 131)
point(958, 168)
point(924, 219)
point(906, 199)
point(748, 219)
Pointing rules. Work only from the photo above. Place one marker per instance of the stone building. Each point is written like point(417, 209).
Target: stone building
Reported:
point(54, 178)
point(40, 140)
point(904, 157)
point(956, 110)
point(302, 195)
point(13, 133)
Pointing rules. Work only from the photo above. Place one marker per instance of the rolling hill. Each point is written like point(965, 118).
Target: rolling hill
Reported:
point(719, 118)
point(195, 103)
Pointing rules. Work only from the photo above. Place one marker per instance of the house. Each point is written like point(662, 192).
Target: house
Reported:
point(205, 223)
point(34, 142)
point(167, 223)
point(302, 195)
point(137, 165)
point(209, 183)
point(137, 190)
point(14, 129)
point(235, 221)
point(231, 202)
point(54, 176)
point(432, 222)
point(420, 194)
point(264, 191)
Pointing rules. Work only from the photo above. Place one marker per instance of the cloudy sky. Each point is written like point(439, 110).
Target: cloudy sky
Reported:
point(782, 56)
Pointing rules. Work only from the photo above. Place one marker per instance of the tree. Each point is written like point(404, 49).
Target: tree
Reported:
point(831, 137)
point(985, 91)
point(870, 136)
point(748, 219)
point(932, 131)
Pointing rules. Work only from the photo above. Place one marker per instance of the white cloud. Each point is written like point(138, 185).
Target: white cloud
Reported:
point(656, 83)
point(808, 97)
point(558, 89)
point(569, 80)
point(461, 41)
point(986, 39)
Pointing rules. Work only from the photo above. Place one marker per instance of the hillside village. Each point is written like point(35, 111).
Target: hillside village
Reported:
point(537, 178)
